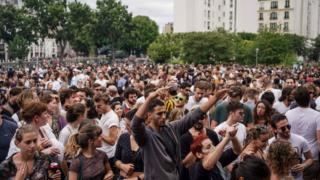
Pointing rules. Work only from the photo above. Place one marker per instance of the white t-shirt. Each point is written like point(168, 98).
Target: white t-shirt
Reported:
point(300, 144)
point(318, 103)
point(46, 129)
point(108, 120)
point(281, 107)
point(241, 133)
point(191, 102)
point(306, 122)
point(66, 132)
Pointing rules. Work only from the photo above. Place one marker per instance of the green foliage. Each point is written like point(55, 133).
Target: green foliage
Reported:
point(18, 48)
point(144, 32)
point(15, 22)
point(112, 24)
point(165, 48)
point(207, 48)
point(81, 27)
point(315, 51)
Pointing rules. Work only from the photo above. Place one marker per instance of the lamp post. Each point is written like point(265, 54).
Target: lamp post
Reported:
point(257, 52)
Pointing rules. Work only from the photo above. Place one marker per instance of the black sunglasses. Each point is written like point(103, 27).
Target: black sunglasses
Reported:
point(179, 98)
point(285, 127)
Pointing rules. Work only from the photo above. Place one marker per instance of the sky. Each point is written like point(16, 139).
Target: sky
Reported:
point(161, 11)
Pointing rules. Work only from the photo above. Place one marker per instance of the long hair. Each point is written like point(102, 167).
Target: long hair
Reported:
point(81, 139)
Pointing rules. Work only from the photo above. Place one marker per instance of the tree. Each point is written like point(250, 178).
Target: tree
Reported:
point(273, 47)
point(144, 32)
point(52, 20)
point(207, 48)
point(297, 43)
point(315, 52)
point(112, 24)
point(13, 22)
point(18, 48)
point(165, 48)
point(81, 27)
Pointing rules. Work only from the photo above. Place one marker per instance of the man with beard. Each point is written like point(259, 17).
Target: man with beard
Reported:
point(281, 129)
point(130, 99)
point(160, 141)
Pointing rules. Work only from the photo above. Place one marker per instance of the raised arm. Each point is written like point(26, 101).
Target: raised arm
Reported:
point(191, 118)
point(137, 124)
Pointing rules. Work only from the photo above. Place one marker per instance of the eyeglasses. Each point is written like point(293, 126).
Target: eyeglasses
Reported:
point(311, 92)
point(283, 129)
point(179, 98)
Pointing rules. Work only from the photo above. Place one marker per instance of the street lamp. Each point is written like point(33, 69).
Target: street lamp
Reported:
point(257, 52)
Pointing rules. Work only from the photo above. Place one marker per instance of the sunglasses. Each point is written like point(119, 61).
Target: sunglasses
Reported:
point(283, 129)
point(179, 98)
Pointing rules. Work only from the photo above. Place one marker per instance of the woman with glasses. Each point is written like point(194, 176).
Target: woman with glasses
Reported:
point(90, 162)
point(255, 142)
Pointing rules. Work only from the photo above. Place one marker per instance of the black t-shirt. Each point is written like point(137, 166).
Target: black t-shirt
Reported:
point(7, 131)
point(186, 141)
point(197, 172)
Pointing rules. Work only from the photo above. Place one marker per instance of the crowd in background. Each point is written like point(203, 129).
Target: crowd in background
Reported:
point(126, 121)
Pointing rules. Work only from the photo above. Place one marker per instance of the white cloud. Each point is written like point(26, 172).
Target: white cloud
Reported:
point(160, 11)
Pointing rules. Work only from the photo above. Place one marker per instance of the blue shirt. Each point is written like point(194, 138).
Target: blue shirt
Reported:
point(7, 131)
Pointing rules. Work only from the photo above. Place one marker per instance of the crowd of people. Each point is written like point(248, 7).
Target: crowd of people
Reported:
point(160, 122)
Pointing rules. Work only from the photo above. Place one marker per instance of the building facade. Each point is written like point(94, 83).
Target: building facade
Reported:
point(300, 17)
point(168, 28)
point(291, 16)
point(207, 15)
point(46, 48)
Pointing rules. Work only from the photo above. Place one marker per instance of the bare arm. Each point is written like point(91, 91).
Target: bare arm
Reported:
point(72, 175)
point(113, 135)
point(236, 146)
point(213, 158)
point(189, 160)
point(309, 160)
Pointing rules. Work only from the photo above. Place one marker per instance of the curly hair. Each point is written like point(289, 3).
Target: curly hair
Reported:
point(281, 157)
point(255, 133)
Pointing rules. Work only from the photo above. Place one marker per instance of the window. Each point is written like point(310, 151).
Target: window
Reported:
point(260, 16)
point(261, 26)
point(209, 3)
point(224, 2)
point(230, 15)
point(230, 26)
point(273, 16)
point(231, 3)
point(223, 14)
point(274, 5)
point(273, 26)
point(208, 14)
point(286, 15)
point(208, 25)
point(286, 27)
point(261, 6)
point(287, 4)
